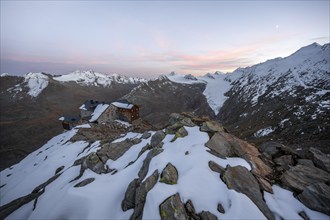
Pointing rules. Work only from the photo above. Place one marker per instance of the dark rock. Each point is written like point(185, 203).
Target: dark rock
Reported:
point(169, 175)
point(221, 209)
point(305, 162)
point(216, 167)
point(272, 148)
point(211, 126)
point(146, 135)
point(172, 208)
point(84, 182)
point(157, 138)
point(144, 149)
point(141, 194)
point(284, 161)
point(316, 197)
point(241, 180)
point(79, 161)
point(136, 141)
point(264, 184)
point(187, 122)
point(114, 150)
point(182, 132)
point(93, 162)
point(320, 159)
point(220, 145)
point(59, 169)
point(299, 177)
point(175, 117)
point(206, 215)
point(145, 166)
point(303, 215)
point(129, 199)
point(190, 207)
point(172, 129)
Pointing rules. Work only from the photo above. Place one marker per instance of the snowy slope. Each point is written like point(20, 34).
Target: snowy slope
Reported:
point(34, 82)
point(102, 198)
point(97, 79)
point(307, 68)
point(216, 87)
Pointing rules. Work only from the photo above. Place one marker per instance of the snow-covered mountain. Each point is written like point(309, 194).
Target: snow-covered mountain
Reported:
point(286, 97)
point(34, 83)
point(308, 68)
point(178, 173)
point(97, 79)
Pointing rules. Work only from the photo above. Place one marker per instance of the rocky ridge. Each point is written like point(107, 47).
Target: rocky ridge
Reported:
point(143, 174)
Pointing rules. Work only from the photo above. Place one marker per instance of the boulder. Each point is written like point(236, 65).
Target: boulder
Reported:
point(59, 169)
point(299, 177)
point(157, 138)
point(211, 126)
point(129, 199)
point(136, 141)
point(305, 162)
point(84, 182)
point(316, 197)
point(187, 122)
point(146, 135)
point(175, 117)
point(284, 161)
point(172, 208)
point(141, 195)
point(248, 152)
point(216, 167)
point(220, 208)
point(320, 159)
point(145, 166)
point(182, 132)
point(220, 145)
point(272, 148)
point(190, 209)
point(172, 129)
point(169, 175)
point(115, 150)
point(94, 163)
point(241, 180)
point(206, 215)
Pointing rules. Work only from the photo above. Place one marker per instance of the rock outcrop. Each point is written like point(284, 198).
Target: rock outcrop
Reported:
point(173, 209)
point(169, 175)
point(241, 180)
point(299, 177)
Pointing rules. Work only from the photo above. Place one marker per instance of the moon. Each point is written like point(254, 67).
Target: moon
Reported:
point(277, 26)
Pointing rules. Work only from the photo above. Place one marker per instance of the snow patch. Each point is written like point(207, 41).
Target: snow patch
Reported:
point(263, 132)
point(216, 87)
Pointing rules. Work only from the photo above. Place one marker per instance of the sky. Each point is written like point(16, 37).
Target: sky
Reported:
point(148, 38)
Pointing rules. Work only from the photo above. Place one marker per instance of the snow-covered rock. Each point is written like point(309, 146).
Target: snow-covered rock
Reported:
point(63, 184)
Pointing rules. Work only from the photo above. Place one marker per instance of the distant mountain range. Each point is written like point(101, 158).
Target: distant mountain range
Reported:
point(285, 99)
